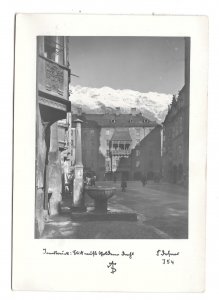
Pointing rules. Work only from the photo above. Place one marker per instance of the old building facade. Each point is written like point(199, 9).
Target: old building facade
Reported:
point(52, 105)
point(145, 158)
point(175, 144)
point(175, 158)
point(110, 137)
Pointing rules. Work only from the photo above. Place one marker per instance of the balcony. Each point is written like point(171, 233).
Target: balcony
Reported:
point(53, 78)
point(52, 85)
point(120, 152)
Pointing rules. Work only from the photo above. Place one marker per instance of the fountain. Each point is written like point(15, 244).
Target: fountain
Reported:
point(100, 195)
point(100, 211)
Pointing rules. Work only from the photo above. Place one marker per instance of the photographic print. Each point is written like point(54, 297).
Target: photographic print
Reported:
point(109, 176)
point(112, 141)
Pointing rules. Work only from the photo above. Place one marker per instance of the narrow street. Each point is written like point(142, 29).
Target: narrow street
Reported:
point(162, 212)
point(162, 206)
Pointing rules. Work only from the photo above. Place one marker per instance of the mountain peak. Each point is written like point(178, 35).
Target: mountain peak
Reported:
point(152, 105)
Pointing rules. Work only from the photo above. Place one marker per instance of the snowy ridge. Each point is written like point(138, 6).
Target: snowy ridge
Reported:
point(95, 100)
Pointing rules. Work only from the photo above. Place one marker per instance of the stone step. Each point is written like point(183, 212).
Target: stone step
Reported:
point(109, 216)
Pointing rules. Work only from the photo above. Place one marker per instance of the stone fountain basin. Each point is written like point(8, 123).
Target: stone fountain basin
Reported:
point(100, 195)
point(100, 192)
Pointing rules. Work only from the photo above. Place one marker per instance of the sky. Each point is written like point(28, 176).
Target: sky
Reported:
point(144, 64)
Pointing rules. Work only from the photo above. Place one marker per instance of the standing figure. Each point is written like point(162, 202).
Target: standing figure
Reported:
point(144, 180)
point(94, 180)
point(66, 175)
point(123, 185)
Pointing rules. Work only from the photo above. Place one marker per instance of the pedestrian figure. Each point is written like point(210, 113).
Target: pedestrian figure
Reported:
point(144, 180)
point(88, 181)
point(71, 182)
point(123, 185)
point(93, 181)
point(66, 175)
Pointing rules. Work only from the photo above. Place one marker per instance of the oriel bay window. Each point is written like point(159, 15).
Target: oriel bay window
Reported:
point(121, 146)
point(115, 146)
point(127, 145)
point(50, 47)
point(53, 48)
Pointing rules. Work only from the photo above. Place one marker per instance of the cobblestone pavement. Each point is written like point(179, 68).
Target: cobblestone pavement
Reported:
point(162, 211)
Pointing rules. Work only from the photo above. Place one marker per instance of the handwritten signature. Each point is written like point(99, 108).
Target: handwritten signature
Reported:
point(112, 265)
point(167, 256)
point(166, 253)
point(92, 253)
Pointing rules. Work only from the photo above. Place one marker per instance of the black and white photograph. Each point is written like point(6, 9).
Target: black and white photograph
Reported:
point(109, 167)
point(112, 137)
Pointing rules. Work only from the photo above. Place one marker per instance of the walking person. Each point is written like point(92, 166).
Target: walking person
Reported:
point(123, 185)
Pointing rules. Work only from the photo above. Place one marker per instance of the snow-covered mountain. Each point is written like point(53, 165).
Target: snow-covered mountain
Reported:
point(95, 100)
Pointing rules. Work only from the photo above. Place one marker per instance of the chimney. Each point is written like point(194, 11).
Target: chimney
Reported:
point(79, 111)
point(133, 111)
point(117, 111)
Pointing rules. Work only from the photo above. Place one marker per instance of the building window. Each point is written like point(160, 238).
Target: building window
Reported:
point(137, 152)
point(117, 163)
point(130, 121)
point(113, 121)
point(115, 146)
point(127, 146)
point(50, 47)
point(176, 129)
point(137, 130)
point(180, 124)
point(137, 164)
point(54, 48)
